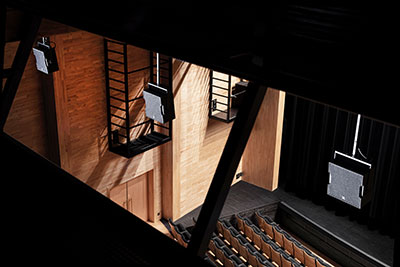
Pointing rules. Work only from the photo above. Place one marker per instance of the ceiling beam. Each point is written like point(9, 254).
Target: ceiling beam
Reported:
point(18, 66)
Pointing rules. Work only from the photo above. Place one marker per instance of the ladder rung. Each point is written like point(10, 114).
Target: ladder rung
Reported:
point(222, 103)
point(139, 124)
point(116, 61)
point(118, 125)
point(116, 98)
point(112, 79)
point(220, 87)
point(133, 71)
point(220, 95)
point(115, 89)
point(136, 98)
point(115, 42)
point(223, 111)
point(116, 52)
point(220, 79)
point(112, 106)
point(118, 71)
point(119, 117)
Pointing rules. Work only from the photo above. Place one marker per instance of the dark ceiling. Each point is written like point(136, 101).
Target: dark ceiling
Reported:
point(337, 53)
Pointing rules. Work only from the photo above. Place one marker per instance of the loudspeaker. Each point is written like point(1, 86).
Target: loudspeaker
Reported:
point(159, 103)
point(350, 180)
point(238, 92)
point(46, 60)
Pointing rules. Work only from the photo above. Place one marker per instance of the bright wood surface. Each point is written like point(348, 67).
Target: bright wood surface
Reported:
point(201, 139)
point(137, 197)
point(178, 173)
point(262, 154)
point(118, 194)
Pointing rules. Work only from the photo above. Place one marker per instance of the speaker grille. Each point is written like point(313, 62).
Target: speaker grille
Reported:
point(345, 185)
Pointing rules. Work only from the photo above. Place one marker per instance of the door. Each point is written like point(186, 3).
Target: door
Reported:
point(118, 194)
point(137, 197)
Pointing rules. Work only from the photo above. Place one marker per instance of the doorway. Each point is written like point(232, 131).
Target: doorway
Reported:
point(133, 195)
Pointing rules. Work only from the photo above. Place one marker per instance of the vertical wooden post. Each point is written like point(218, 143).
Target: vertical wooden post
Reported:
point(170, 158)
point(50, 114)
point(61, 102)
point(261, 157)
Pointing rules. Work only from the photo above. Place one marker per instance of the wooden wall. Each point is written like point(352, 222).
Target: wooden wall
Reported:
point(26, 121)
point(181, 170)
point(201, 139)
point(261, 157)
point(82, 115)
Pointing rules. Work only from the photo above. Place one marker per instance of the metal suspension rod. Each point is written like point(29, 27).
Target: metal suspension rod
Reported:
point(356, 135)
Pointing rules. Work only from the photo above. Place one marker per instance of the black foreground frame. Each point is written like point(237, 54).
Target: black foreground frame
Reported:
point(307, 88)
point(14, 74)
point(226, 168)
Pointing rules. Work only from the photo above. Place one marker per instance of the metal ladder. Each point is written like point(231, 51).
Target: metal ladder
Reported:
point(119, 116)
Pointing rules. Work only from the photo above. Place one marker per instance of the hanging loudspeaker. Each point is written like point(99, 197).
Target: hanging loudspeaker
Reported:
point(159, 103)
point(350, 180)
point(46, 60)
point(238, 91)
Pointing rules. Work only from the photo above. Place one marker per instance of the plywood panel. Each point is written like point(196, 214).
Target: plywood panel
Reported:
point(183, 167)
point(201, 139)
point(262, 154)
point(61, 105)
point(26, 121)
point(138, 196)
point(118, 194)
point(171, 153)
point(82, 121)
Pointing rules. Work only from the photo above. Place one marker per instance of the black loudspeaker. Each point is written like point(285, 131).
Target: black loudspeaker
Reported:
point(350, 180)
point(159, 103)
point(238, 92)
point(46, 59)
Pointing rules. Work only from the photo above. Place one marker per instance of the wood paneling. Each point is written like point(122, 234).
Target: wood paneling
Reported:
point(61, 104)
point(118, 194)
point(82, 122)
point(201, 140)
point(151, 198)
point(51, 118)
point(171, 155)
point(26, 121)
point(178, 173)
point(137, 197)
point(262, 154)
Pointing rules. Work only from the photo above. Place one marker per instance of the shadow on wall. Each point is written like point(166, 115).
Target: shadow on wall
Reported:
point(111, 168)
point(179, 71)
